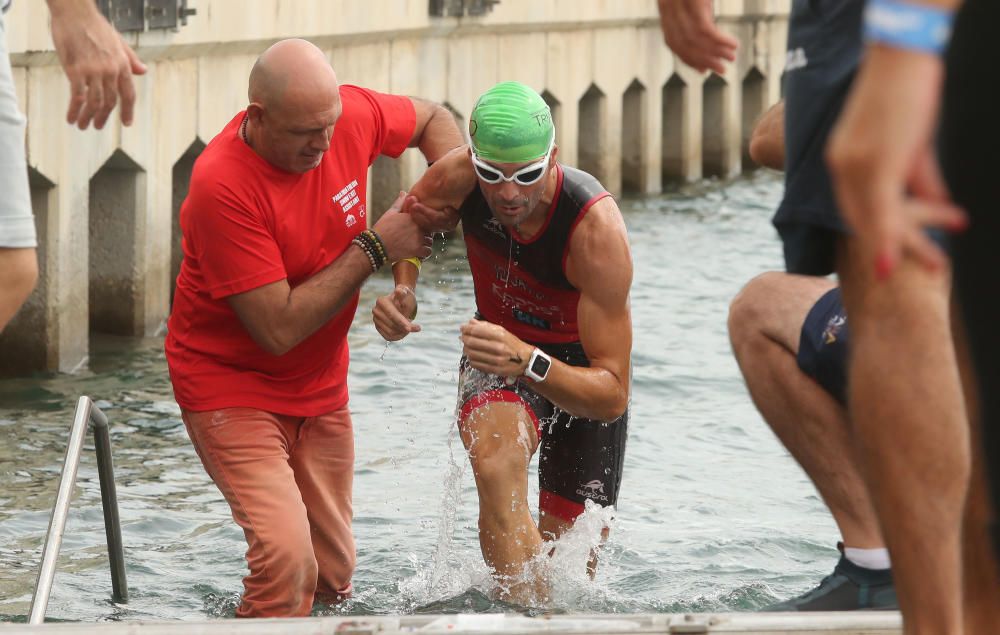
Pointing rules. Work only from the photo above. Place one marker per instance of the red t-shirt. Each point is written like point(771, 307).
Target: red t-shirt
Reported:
point(246, 224)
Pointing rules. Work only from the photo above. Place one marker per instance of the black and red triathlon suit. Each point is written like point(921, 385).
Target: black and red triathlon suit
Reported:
point(521, 285)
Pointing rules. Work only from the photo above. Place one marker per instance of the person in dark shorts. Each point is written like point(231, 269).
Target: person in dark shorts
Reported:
point(824, 47)
point(882, 156)
point(778, 318)
point(546, 360)
point(790, 337)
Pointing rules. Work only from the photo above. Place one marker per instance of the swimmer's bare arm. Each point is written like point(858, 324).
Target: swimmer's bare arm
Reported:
point(436, 197)
point(600, 266)
point(433, 203)
point(767, 141)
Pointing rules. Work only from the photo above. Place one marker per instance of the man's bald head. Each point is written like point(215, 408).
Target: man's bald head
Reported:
point(294, 105)
point(291, 69)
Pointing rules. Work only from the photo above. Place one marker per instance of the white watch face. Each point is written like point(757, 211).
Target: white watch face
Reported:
point(538, 366)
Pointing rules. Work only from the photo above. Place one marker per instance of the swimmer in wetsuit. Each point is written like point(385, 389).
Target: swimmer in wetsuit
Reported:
point(546, 359)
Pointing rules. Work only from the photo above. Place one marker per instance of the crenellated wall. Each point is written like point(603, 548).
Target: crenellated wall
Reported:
point(106, 202)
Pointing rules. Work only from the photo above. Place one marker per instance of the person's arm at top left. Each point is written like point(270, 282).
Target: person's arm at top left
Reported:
point(98, 63)
point(691, 33)
point(600, 266)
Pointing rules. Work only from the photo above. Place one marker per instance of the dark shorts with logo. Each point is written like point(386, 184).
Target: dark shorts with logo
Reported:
point(578, 459)
point(823, 345)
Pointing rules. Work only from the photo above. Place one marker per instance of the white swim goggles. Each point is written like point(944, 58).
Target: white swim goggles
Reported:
point(528, 175)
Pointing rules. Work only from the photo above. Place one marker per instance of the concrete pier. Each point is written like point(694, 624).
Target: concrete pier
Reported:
point(106, 202)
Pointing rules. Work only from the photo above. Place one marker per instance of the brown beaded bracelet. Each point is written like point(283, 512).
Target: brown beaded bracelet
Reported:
point(376, 241)
point(368, 251)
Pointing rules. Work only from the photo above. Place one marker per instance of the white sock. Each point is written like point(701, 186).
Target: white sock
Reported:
point(869, 558)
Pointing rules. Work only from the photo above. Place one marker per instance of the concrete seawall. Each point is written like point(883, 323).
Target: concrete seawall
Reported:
point(106, 202)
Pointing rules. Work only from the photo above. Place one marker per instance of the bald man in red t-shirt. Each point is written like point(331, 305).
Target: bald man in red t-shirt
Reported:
point(275, 251)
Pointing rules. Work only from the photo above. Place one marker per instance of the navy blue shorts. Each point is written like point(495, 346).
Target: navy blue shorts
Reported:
point(823, 345)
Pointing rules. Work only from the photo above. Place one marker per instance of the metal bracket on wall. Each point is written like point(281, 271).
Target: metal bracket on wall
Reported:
point(142, 15)
point(479, 7)
point(459, 8)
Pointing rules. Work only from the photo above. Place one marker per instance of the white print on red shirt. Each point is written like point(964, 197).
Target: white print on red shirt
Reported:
point(347, 198)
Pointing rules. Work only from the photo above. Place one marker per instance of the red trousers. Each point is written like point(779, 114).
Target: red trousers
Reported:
point(288, 482)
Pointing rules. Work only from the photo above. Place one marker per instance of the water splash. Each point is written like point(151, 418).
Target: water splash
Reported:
point(450, 572)
point(221, 604)
point(565, 561)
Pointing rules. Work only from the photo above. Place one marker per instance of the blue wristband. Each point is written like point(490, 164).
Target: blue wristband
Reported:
point(906, 25)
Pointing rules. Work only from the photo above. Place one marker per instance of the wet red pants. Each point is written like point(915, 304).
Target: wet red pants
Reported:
point(288, 482)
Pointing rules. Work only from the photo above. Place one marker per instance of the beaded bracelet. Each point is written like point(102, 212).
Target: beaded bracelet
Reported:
point(376, 242)
point(368, 243)
point(364, 249)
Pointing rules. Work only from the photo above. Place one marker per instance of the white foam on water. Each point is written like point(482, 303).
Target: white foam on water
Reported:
point(563, 563)
point(451, 570)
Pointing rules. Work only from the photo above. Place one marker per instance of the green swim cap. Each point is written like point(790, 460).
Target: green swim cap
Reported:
point(511, 123)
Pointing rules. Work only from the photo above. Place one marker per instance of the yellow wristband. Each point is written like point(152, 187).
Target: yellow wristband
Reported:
point(416, 262)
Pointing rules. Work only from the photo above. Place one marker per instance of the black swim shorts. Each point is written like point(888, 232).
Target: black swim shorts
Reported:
point(579, 459)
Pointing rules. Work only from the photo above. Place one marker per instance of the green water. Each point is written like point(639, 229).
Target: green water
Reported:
point(713, 514)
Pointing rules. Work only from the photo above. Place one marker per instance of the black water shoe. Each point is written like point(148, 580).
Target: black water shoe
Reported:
point(849, 588)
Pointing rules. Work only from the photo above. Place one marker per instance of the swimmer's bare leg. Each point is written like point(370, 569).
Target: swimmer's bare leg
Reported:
point(501, 438)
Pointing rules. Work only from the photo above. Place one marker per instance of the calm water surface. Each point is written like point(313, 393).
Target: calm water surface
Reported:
point(713, 514)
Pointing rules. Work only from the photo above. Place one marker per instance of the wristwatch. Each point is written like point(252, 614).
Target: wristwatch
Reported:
point(538, 365)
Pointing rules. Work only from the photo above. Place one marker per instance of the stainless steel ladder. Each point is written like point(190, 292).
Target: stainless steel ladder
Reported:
point(87, 414)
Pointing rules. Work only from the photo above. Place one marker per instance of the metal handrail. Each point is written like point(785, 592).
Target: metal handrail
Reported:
point(86, 413)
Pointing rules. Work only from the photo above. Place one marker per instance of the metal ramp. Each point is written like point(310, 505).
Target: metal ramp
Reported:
point(87, 415)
